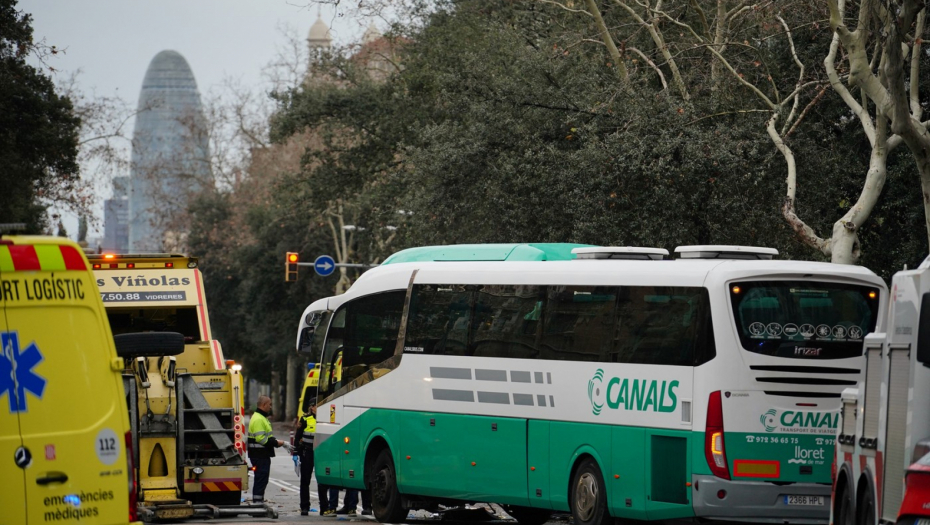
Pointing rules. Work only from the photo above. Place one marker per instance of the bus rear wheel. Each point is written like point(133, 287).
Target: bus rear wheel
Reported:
point(588, 497)
point(385, 498)
point(527, 515)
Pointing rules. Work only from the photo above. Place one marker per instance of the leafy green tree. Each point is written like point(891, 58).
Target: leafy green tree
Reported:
point(38, 130)
point(540, 143)
point(241, 239)
point(502, 124)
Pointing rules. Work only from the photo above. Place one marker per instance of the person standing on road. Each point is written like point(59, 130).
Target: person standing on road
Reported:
point(261, 447)
point(303, 440)
point(350, 503)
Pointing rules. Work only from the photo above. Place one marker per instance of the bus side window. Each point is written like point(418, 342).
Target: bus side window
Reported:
point(578, 323)
point(439, 320)
point(663, 326)
point(506, 321)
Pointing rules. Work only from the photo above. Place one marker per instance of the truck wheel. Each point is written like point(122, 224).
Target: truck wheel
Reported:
point(385, 498)
point(588, 495)
point(845, 513)
point(865, 510)
point(527, 515)
point(149, 344)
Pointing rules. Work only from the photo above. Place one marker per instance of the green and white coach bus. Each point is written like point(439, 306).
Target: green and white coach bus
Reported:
point(616, 384)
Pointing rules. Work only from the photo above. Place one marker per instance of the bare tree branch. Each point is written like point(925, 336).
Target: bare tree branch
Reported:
point(794, 55)
point(652, 65)
point(595, 12)
point(564, 7)
point(916, 109)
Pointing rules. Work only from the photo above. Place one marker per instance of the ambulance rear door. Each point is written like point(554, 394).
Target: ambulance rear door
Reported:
point(12, 457)
point(72, 408)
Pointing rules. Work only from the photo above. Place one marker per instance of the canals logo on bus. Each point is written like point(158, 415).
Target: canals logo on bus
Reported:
point(800, 422)
point(631, 394)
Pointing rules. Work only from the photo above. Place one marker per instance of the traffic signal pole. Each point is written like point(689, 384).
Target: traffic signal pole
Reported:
point(291, 262)
point(323, 265)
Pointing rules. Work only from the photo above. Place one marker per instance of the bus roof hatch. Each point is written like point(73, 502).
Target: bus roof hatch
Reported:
point(621, 252)
point(720, 251)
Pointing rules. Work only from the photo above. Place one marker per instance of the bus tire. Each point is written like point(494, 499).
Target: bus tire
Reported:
point(588, 495)
point(386, 503)
point(527, 515)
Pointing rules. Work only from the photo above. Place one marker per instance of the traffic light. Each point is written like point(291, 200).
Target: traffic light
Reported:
point(290, 266)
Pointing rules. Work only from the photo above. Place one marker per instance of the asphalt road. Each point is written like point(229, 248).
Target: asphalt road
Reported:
point(283, 495)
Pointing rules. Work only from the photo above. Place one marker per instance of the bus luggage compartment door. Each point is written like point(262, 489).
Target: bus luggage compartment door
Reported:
point(465, 457)
point(668, 474)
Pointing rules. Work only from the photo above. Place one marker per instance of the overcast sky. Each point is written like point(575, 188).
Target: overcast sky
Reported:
point(113, 41)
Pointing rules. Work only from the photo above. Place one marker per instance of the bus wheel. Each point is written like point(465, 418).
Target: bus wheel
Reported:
point(588, 498)
point(385, 498)
point(527, 515)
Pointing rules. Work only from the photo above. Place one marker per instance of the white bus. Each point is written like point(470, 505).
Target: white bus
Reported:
point(647, 389)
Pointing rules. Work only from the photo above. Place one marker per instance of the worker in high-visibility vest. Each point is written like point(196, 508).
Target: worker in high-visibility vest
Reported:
point(261, 447)
point(303, 443)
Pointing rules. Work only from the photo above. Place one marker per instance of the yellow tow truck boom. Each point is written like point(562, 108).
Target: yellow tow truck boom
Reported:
point(186, 410)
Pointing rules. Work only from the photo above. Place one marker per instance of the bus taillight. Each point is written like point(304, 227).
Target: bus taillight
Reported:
point(714, 449)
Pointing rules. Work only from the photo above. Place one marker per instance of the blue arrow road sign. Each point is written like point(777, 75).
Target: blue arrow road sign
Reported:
point(324, 265)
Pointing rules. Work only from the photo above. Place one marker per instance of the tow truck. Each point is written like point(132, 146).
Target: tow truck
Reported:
point(185, 409)
point(885, 422)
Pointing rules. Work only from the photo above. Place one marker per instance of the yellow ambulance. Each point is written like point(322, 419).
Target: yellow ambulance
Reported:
point(309, 388)
point(64, 427)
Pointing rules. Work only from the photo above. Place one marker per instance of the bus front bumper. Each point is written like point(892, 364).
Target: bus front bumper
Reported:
point(758, 502)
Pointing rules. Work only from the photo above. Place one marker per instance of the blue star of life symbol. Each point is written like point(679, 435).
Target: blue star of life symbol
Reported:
point(16, 374)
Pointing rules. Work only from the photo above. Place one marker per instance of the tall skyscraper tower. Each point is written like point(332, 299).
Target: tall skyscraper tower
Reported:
point(170, 155)
point(116, 218)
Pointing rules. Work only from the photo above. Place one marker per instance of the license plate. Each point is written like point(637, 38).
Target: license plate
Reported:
point(803, 500)
point(174, 512)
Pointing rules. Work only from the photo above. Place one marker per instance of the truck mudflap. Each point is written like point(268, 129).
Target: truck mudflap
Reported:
point(171, 510)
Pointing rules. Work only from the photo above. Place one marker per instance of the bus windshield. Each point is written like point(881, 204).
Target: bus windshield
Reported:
point(803, 319)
